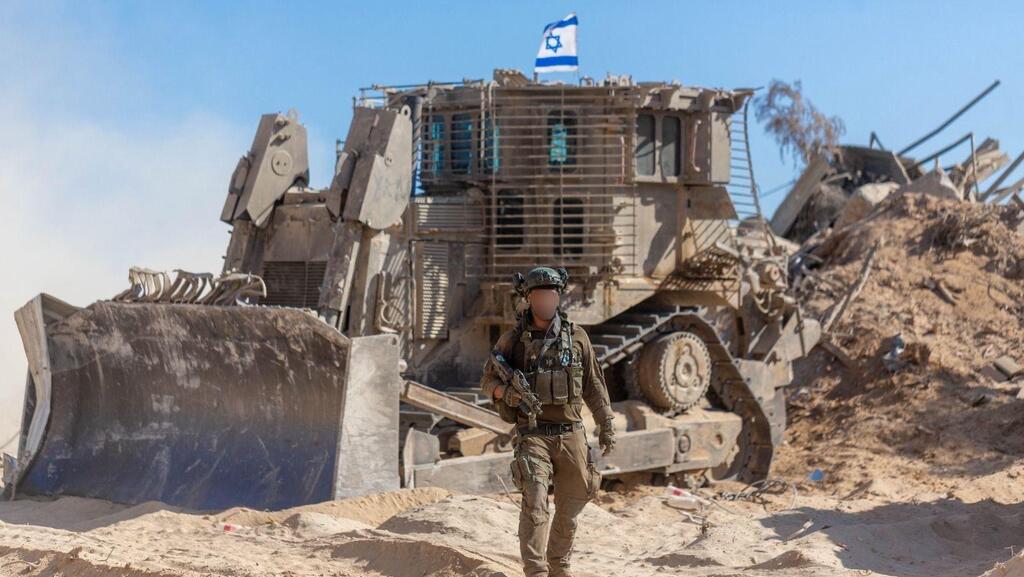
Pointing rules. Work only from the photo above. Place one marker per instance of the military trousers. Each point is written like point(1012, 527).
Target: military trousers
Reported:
point(539, 461)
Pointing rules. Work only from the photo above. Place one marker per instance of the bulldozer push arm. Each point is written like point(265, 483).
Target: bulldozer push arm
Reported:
point(370, 191)
point(368, 195)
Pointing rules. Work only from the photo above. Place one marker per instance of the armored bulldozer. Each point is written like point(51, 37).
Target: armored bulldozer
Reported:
point(339, 352)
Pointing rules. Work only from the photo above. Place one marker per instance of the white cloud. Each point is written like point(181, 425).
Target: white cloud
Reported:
point(89, 185)
point(81, 201)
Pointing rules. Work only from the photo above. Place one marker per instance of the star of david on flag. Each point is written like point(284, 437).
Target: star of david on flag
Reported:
point(558, 47)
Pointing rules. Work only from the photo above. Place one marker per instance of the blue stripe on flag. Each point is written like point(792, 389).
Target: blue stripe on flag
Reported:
point(558, 61)
point(562, 24)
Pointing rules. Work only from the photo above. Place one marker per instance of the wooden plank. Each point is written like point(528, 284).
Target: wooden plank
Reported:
point(456, 409)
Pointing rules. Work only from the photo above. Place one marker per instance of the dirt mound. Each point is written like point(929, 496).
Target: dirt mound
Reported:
point(908, 395)
point(416, 558)
point(466, 516)
point(70, 513)
point(375, 509)
point(310, 525)
point(20, 561)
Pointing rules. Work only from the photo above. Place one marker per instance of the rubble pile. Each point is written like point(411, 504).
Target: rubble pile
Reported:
point(915, 268)
point(841, 184)
point(918, 375)
point(839, 189)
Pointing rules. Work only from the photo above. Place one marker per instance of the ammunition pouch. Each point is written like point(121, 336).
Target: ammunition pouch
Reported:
point(552, 387)
point(577, 380)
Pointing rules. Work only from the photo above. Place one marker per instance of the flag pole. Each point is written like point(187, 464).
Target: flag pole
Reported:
point(577, 71)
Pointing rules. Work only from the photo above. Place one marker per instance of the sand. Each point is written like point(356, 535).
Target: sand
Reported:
point(434, 533)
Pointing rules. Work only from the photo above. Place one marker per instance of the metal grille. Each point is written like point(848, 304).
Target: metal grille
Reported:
point(447, 214)
point(432, 274)
point(293, 283)
point(555, 164)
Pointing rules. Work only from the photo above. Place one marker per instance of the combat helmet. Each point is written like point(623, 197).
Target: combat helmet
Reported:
point(542, 276)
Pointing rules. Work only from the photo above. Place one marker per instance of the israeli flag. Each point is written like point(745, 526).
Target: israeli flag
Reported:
point(558, 47)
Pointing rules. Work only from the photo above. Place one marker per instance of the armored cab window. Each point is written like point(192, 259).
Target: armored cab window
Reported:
point(561, 138)
point(568, 226)
point(668, 155)
point(462, 143)
point(658, 145)
point(508, 230)
point(645, 144)
point(492, 152)
point(436, 145)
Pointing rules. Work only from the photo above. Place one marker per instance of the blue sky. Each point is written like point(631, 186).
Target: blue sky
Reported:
point(123, 121)
point(896, 68)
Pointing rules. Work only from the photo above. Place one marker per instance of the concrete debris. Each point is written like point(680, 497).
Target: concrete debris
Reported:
point(985, 162)
point(994, 374)
point(1008, 366)
point(863, 201)
point(845, 185)
point(936, 183)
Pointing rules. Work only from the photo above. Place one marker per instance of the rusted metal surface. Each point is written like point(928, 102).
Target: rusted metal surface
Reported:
point(198, 406)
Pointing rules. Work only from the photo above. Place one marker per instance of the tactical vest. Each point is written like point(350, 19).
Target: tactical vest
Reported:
point(555, 374)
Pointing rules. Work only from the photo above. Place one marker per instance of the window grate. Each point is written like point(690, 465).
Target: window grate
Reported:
point(293, 283)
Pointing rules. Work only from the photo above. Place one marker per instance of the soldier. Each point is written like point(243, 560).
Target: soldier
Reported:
point(559, 363)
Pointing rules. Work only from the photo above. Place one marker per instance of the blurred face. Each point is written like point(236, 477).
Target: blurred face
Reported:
point(543, 303)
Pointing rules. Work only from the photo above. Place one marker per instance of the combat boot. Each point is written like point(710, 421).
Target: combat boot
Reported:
point(558, 569)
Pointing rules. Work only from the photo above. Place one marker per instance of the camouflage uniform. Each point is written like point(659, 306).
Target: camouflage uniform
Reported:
point(563, 371)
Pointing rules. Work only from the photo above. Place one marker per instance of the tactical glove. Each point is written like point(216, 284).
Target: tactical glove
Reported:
point(606, 437)
point(511, 397)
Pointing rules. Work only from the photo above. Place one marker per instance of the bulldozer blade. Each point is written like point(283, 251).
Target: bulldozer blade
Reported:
point(204, 406)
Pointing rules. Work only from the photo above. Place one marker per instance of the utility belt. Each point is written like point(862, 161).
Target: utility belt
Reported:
point(550, 429)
